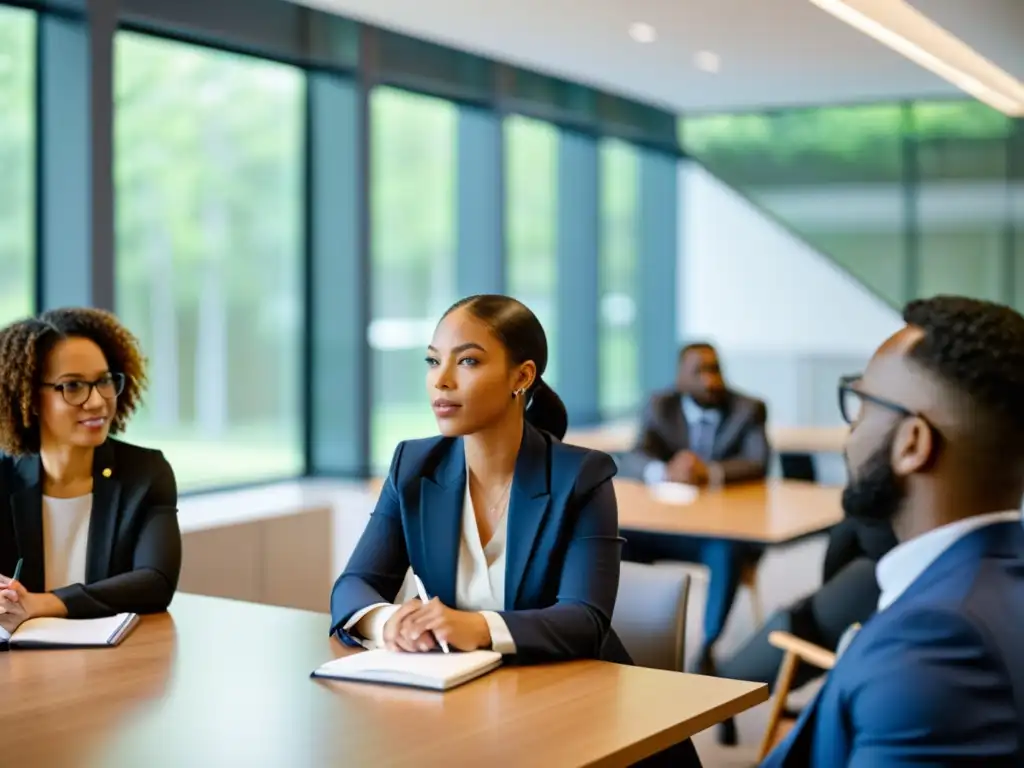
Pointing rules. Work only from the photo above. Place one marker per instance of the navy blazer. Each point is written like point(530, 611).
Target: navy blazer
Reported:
point(133, 554)
point(935, 679)
point(563, 545)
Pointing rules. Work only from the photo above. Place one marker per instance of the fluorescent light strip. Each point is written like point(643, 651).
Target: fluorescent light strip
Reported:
point(993, 95)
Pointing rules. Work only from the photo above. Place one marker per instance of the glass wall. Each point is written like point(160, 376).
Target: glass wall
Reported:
point(1016, 177)
point(830, 175)
point(962, 159)
point(619, 382)
point(413, 278)
point(17, 163)
point(912, 199)
point(531, 209)
point(209, 187)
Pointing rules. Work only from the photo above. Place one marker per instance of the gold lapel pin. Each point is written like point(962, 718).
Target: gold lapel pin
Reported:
point(107, 472)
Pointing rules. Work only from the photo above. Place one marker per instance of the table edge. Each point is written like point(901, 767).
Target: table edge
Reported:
point(676, 734)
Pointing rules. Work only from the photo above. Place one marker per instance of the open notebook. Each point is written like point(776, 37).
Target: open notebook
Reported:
point(435, 671)
point(71, 633)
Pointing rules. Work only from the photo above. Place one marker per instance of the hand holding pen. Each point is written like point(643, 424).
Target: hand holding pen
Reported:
point(9, 595)
point(426, 623)
point(422, 592)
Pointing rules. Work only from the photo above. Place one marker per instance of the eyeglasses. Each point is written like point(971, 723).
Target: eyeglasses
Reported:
point(77, 392)
point(851, 400)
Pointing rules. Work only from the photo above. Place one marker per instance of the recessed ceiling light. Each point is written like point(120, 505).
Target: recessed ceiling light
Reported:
point(642, 33)
point(707, 61)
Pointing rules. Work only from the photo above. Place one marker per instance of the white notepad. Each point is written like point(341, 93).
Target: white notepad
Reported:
point(675, 493)
point(72, 633)
point(434, 671)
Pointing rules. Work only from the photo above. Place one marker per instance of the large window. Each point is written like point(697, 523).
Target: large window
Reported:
point(962, 156)
point(531, 168)
point(832, 175)
point(619, 382)
point(1016, 203)
point(914, 198)
point(413, 209)
point(17, 162)
point(209, 150)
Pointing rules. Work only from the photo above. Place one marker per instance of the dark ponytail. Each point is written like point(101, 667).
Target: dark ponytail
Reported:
point(546, 410)
point(524, 339)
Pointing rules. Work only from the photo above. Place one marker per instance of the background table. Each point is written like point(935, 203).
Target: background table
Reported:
point(770, 512)
point(620, 437)
point(225, 683)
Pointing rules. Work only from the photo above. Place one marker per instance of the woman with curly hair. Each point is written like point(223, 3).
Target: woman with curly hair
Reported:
point(93, 520)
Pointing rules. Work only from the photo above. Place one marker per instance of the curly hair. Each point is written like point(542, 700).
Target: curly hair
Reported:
point(977, 349)
point(24, 347)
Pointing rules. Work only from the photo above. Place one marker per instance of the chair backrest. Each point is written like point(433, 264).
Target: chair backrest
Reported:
point(650, 614)
point(798, 466)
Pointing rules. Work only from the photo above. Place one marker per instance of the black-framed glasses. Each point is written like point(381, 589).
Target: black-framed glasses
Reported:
point(77, 392)
point(851, 400)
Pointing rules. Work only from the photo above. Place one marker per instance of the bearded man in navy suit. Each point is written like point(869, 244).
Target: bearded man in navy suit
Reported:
point(936, 676)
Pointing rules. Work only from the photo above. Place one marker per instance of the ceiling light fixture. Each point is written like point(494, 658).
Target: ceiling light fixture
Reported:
point(909, 32)
point(707, 61)
point(642, 32)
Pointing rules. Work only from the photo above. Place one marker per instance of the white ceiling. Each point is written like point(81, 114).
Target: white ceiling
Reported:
point(772, 52)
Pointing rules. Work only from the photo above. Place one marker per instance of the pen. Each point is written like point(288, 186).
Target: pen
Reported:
point(17, 569)
point(424, 598)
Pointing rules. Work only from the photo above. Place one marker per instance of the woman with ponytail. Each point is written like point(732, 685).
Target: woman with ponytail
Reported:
point(514, 534)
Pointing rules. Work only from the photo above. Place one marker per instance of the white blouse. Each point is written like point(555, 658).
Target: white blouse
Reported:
point(479, 586)
point(65, 539)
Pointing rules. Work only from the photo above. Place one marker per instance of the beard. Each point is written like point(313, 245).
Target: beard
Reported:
point(875, 493)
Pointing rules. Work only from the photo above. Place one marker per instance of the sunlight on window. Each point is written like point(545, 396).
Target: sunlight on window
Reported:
point(209, 150)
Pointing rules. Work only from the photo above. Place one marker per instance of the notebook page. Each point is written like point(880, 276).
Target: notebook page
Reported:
point(72, 632)
point(439, 668)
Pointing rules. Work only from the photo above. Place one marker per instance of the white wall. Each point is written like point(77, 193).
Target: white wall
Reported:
point(750, 286)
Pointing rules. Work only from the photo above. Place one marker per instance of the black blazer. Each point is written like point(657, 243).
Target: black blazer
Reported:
point(134, 550)
point(563, 556)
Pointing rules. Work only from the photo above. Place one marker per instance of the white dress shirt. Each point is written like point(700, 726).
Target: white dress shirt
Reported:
point(479, 586)
point(903, 564)
point(697, 419)
point(65, 539)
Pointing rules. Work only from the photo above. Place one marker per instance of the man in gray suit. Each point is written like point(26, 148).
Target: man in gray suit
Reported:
point(702, 433)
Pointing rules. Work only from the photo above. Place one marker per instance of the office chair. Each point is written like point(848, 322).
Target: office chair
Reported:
point(650, 614)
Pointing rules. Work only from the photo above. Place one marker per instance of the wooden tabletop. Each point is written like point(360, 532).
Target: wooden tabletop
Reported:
point(620, 437)
point(223, 683)
point(808, 439)
point(771, 512)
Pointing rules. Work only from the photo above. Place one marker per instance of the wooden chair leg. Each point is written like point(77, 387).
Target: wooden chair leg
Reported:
point(783, 683)
point(748, 578)
point(755, 604)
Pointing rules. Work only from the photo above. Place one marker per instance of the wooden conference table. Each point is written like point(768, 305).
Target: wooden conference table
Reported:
point(769, 512)
point(223, 683)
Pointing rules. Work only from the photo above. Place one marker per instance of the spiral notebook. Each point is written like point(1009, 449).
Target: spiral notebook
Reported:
point(71, 633)
point(433, 671)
